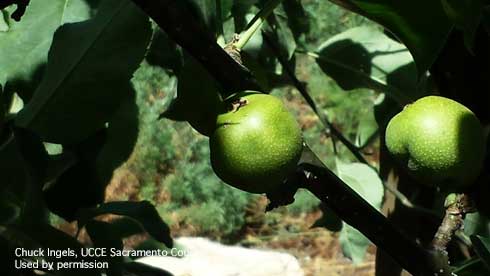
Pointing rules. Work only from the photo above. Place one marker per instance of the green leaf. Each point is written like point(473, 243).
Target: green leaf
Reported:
point(79, 186)
point(164, 52)
point(421, 25)
point(125, 227)
point(476, 224)
point(57, 165)
point(90, 65)
point(122, 133)
point(354, 244)
point(466, 15)
point(26, 43)
point(481, 245)
point(4, 25)
point(198, 100)
point(367, 130)
point(98, 157)
point(143, 212)
point(3, 109)
point(366, 182)
point(364, 57)
point(277, 28)
point(297, 17)
point(22, 163)
point(363, 180)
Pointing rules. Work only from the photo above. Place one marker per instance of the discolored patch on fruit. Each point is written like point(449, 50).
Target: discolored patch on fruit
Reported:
point(256, 145)
point(438, 140)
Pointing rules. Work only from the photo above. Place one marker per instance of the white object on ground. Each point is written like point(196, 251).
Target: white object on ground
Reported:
point(207, 258)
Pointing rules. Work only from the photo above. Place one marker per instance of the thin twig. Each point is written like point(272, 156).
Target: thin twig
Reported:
point(257, 22)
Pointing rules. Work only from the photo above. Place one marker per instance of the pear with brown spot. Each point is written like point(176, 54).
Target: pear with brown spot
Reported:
point(256, 144)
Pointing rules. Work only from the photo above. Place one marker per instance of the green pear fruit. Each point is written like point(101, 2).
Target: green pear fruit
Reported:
point(257, 143)
point(438, 140)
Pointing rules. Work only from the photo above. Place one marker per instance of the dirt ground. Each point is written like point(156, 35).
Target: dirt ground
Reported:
point(317, 249)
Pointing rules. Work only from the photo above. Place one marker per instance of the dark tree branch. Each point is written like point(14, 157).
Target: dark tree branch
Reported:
point(357, 212)
point(180, 26)
point(177, 21)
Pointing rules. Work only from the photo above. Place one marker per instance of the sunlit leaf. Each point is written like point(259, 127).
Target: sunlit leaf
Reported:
point(26, 43)
point(366, 182)
point(364, 57)
point(421, 25)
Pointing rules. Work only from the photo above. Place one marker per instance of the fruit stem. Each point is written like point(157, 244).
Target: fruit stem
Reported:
point(457, 206)
point(256, 23)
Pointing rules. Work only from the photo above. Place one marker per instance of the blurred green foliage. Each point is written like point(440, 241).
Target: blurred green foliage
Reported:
point(327, 19)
